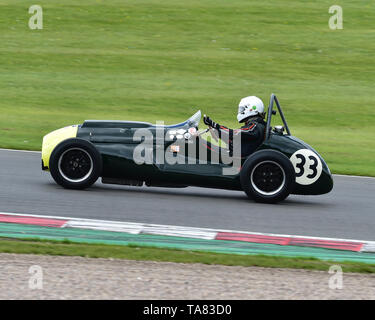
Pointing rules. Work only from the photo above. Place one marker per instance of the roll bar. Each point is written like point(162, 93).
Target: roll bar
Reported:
point(272, 112)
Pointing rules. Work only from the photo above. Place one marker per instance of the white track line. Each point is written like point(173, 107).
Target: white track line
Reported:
point(351, 176)
point(15, 150)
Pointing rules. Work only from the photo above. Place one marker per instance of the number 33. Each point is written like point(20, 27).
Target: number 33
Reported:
point(307, 166)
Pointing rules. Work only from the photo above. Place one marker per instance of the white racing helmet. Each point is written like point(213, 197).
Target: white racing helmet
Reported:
point(249, 107)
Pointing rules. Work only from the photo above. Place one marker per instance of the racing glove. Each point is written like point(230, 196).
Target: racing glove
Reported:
point(207, 121)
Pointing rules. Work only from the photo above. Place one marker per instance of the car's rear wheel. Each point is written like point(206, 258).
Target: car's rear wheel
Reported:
point(267, 176)
point(75, 164)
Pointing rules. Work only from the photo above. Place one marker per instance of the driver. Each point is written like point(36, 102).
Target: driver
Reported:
point(251, 113)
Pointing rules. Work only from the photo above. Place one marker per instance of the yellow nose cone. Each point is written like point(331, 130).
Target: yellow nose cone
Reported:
point(51, 140)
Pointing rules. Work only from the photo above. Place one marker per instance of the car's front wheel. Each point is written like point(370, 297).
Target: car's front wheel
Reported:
point(267, 176)
point(75, 164)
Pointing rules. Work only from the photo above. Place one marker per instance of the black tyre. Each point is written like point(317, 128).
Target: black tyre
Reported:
point(267, 176)
point(75, 164)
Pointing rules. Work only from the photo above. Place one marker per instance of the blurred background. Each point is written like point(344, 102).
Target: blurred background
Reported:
point(151, 60)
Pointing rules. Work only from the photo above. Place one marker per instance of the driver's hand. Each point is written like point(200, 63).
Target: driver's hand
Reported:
point(207, 121)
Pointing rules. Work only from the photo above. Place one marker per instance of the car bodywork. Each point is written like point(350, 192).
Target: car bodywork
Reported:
point(51, 140)
point(115, 142)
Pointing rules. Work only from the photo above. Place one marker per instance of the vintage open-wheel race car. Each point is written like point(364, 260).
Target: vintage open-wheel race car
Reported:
point(137, 153)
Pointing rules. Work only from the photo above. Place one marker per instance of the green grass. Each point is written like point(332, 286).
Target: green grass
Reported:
point(162, 60)
point(133, 252)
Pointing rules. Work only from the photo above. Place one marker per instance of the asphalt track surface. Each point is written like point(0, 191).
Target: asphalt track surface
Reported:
point(348, 212)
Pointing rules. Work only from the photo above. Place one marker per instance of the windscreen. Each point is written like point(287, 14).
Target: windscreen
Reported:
point(194, 120)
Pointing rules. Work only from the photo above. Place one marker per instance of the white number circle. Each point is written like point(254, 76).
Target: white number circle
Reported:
point(307, 166)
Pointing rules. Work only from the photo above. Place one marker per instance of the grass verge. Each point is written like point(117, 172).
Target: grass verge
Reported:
point(133, 252)
point(154, 60)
